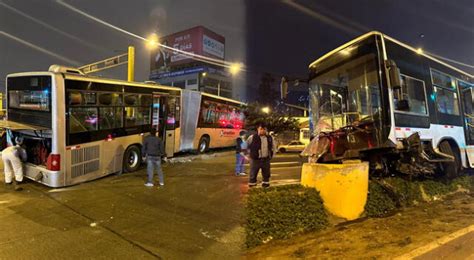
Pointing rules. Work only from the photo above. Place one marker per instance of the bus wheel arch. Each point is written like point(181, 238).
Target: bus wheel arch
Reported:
point(204, 143)
point(450, 147)
point(132, 158)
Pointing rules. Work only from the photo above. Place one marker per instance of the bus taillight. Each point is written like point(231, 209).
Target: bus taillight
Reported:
point(54, 162)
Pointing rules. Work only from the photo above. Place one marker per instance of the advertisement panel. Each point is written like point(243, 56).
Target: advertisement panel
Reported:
point(197, 40)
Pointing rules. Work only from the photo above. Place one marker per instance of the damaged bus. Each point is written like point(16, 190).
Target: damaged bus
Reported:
point(78, 128)
point(379, 100)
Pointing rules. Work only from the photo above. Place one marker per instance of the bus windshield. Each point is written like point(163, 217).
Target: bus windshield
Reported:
point(346, 90)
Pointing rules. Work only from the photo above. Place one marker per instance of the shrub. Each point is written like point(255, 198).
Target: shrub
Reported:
point(379, 202)
point(407, 192)
point(280, 212)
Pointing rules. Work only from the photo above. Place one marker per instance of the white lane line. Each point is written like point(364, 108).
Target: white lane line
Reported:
point(435, 244)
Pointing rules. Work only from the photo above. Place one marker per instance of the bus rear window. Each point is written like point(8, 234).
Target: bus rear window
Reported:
point(30, 93)
point(29, 99)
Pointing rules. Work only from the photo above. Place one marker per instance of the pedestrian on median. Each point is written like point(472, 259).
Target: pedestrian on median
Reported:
point(13, 158)
point(153, 150)
point(240, 154)
point(261, 148)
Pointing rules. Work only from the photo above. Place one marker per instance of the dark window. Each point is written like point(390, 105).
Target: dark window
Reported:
point(411, 96)
point(110, 117)
point(110, 99)
point(135, 116)
point(82, 119)
point(446, 101)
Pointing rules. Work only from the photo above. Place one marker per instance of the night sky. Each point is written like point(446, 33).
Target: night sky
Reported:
point(279, 37)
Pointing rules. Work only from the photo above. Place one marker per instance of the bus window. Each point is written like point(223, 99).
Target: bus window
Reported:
point(446, 101)
point(172, 120)
point(90, 98)
point(29, 99)
point(131, 100)
point(110, 99)
point(135, 116)
point(146, 100)
point(82, 119)
point(110, 117)
point(413, 92)
point(75, 98)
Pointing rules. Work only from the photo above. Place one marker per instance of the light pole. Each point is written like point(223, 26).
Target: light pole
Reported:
point(131, 64)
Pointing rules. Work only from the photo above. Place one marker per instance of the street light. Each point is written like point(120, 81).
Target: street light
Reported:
point(266, 110)
point(152, 42)
point(235, 68)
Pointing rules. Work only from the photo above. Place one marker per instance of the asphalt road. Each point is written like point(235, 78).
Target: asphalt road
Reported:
point(198, 214)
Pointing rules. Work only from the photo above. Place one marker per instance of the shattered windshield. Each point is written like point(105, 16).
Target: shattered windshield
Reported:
point(346, 92)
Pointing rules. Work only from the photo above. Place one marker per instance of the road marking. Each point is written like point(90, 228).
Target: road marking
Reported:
point(435, 244)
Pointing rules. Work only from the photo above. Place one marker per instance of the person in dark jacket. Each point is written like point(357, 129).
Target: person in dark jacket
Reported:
point(153, 149)
point(261, 148)
point(240, 150)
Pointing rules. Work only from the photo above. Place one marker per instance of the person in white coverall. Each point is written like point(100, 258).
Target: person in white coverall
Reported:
point(13, 158)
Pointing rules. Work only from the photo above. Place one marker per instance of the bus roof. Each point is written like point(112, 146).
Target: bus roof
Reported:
point(123, 82)
point(385, 37)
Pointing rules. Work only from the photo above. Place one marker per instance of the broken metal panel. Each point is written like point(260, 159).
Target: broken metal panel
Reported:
point(191, 102)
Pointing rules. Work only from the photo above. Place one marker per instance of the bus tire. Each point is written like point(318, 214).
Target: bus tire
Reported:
point(451, 170)
point(282, 150)
point(132, 158)
point(203, 145)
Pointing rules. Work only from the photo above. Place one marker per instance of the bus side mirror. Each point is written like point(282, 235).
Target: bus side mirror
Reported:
point(393, 74)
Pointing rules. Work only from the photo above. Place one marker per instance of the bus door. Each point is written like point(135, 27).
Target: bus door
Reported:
point(467, 100)
point(159, 121)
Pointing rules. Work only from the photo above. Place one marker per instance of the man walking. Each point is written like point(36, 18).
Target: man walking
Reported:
point(153, 149)
point(13, 158)
point(261, 148)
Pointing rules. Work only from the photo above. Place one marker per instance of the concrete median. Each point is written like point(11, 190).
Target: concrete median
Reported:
point(343, 187)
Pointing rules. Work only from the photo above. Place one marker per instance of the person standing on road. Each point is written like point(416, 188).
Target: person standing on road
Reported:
point(261, 148)
point(153, 150)
point(13, 158)
point(240, 151)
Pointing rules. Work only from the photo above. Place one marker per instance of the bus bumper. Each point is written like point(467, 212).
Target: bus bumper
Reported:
point(42, 175)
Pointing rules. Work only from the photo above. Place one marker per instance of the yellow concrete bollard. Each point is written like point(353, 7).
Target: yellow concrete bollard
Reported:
point(343, 187)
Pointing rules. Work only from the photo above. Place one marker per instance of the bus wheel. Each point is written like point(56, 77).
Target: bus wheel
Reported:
point(203, 144)
point(282, 150)
point(132, 158)
point(451, 170)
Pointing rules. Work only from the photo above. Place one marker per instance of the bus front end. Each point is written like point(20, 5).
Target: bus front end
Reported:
point(350, 115)
point(32, 115)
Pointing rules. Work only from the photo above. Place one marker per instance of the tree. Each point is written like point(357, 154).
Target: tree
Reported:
point(267, 95)
point(275, 121)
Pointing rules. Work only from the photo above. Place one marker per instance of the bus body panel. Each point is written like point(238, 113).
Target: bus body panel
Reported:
point(219, 137)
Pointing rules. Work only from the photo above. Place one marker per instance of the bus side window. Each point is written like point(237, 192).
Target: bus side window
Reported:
point(82, 119)
point(135, 116)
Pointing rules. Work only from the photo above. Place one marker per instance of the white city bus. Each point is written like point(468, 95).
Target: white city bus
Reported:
point(380, 100)
point(78, 128)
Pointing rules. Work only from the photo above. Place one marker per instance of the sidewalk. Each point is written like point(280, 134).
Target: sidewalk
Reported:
point(197, 214)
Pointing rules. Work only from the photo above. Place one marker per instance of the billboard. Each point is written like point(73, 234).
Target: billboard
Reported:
point(198, 40)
